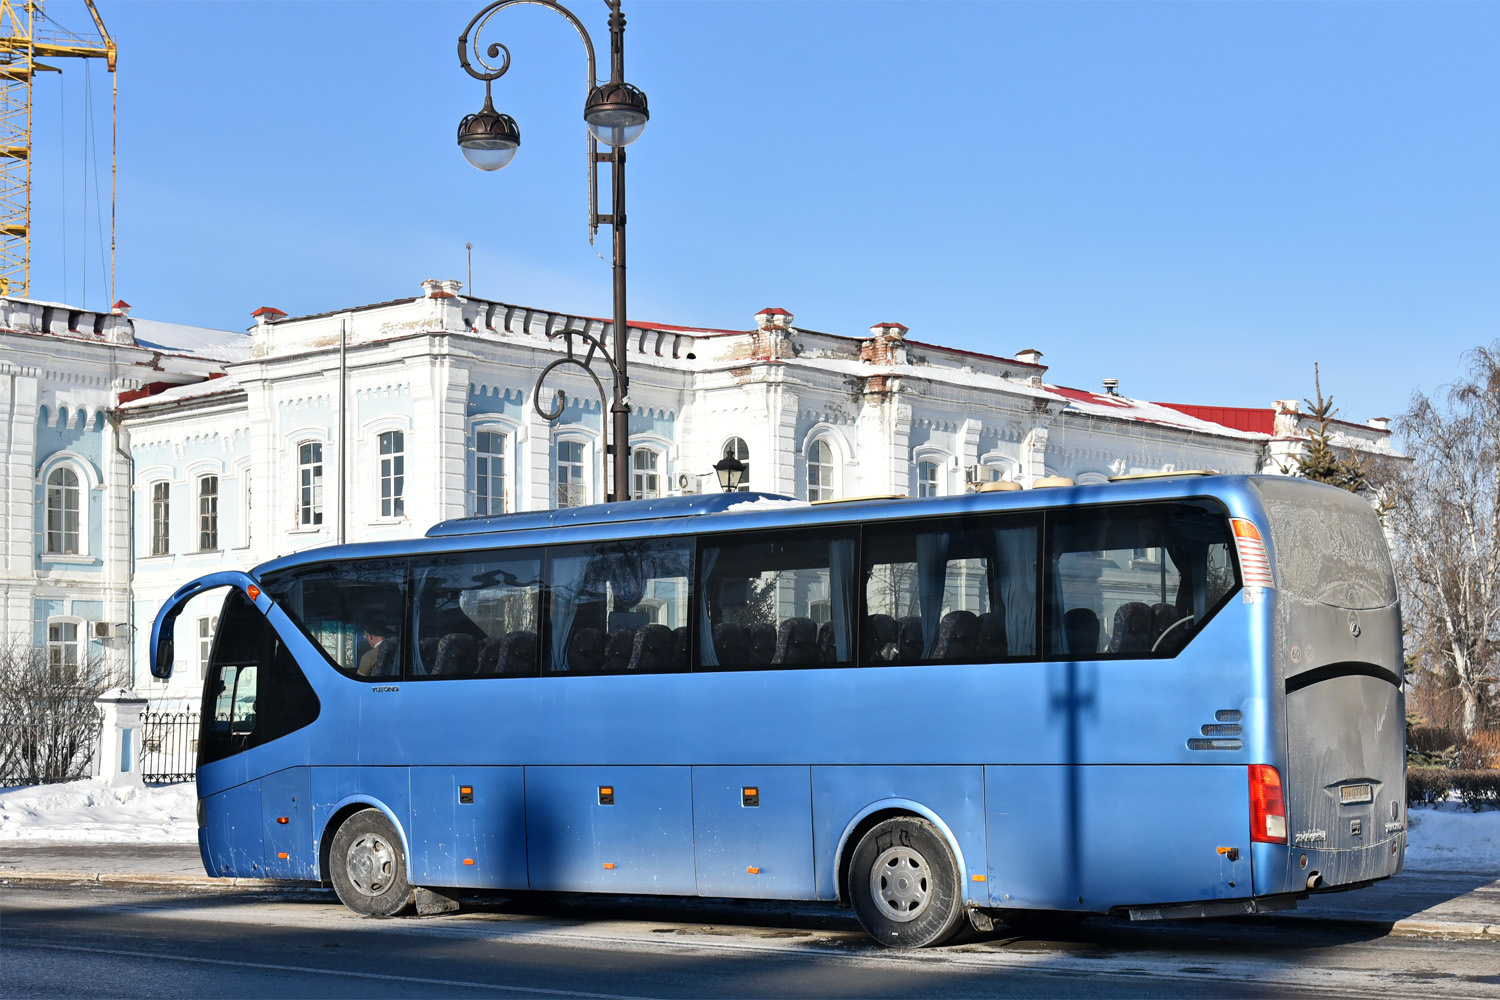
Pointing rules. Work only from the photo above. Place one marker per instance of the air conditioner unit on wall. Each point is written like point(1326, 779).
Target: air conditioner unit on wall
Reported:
point(687, 483)
point(107, 630)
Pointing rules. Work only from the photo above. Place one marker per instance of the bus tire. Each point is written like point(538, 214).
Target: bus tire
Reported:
point(904, 885)
point(368, 866)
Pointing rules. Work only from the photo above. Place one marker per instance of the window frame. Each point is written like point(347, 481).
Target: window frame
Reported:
point(391, 474)
point(309, 489)
point(79, 505)
point(585, 465)
point(78, 642)
point(820, 441)
point(208, 520)
point(506, 438)
point(159, 537)
point(656, 472)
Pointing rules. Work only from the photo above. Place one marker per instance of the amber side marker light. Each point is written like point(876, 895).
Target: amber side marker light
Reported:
point(253, 591)
point(468, 861)
point(282, 855)
point(283, 820)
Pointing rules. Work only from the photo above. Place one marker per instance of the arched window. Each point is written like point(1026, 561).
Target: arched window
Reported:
point(572, 487)
point(737, 448)
point(63, 497)
point(819, 471)
point(927, 479)
point(645, 474)
point(489, 472)
point(63, 647)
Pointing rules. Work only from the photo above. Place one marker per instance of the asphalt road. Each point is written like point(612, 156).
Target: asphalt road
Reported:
point(95, 941)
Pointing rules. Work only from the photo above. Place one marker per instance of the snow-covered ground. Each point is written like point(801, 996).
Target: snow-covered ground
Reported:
point(1447, 836)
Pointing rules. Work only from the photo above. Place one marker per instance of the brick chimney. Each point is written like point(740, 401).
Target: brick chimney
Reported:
point(772, 338)
point(886, 346)
point(1030, 356)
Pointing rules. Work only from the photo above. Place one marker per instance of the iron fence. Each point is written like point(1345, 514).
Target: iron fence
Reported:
point(44, 747)
point(169, 746)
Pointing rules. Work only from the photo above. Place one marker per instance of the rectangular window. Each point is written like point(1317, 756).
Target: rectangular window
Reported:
point(1107, 600)
point(310, 484)
point(927, 479)
point(392, 474)
point(476, 613)
point(62, 644)
point(208, 513)
point(161, 517)
point(572, 490)
point(619, 607)
point(206, 628)
point(489, 473)
point(777, 599)
point(354, 610)
point(647, 475)
point(955, 590)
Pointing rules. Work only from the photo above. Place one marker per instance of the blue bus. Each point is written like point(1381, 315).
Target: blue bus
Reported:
point(1161, 697)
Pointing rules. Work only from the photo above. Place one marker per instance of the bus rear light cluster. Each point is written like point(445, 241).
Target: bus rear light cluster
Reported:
point(1255, 565)
point(1267, 805)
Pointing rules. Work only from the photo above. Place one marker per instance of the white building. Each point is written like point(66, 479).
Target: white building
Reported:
point(233, 463)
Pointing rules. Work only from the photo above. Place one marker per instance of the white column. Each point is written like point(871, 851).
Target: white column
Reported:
point(120, 737)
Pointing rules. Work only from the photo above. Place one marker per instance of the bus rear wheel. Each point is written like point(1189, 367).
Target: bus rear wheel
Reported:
point(904, 886)
point(368, 866)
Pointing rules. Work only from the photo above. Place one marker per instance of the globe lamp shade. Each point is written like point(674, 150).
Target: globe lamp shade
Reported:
point(616, 113)
point(488, 139)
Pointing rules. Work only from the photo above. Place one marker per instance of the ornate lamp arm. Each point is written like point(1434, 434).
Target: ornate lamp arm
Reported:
point(489, 72)
point(586, 363)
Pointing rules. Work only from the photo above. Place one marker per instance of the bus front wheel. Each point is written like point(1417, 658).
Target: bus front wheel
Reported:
point(368, 866)
point(904, 886)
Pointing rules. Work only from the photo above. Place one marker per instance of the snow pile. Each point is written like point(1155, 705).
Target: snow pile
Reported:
point(91, 812)
point(1450, 835)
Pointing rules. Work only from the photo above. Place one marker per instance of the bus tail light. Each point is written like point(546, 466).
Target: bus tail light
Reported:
point(1255, 565)
point(1267, 805)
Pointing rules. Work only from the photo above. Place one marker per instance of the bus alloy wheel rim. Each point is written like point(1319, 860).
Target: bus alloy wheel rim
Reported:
point(370, 864)
point(901, 882)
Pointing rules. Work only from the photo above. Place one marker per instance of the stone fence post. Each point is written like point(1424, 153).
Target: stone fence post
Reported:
point(120, 737)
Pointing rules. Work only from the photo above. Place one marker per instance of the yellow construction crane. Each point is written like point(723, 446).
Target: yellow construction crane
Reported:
point(25, 37)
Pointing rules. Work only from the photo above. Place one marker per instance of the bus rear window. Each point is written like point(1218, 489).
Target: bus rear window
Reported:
point(1328, 545)
point(1137, 580)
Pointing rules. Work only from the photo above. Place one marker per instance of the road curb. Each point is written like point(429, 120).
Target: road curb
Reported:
point(197, 881)
point(1414, 927)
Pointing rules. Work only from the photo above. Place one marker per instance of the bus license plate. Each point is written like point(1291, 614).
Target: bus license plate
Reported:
point(1355, 793)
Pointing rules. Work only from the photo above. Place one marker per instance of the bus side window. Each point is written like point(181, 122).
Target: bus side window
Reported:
point(957, 590)
point(1135, 581)
point(477, 614)
point(354, 610)
point(619, 607)
point(776, 599)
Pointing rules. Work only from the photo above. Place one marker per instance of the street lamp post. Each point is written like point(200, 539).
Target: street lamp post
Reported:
point(615, 113)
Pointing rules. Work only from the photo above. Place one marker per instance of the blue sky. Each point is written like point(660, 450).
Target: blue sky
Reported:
point(1199, 199)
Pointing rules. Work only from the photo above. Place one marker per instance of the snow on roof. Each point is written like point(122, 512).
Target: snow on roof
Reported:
point(1124, 408)
point(194, 341)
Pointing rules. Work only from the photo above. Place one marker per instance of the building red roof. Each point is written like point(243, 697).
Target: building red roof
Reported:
point(1257, 420)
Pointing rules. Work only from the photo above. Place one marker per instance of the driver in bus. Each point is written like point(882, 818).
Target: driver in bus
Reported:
point(376, 634)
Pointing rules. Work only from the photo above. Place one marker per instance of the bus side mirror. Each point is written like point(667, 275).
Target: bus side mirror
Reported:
point(161, 665)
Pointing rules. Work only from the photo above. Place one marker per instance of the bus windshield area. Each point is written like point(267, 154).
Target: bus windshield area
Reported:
point(1104, 582)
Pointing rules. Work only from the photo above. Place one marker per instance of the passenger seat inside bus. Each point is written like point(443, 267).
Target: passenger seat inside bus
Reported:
point(586, 650)
point(1132, 631)
point(457, 655)
point(796, 643)
point(1081, 627)
point(651, 650)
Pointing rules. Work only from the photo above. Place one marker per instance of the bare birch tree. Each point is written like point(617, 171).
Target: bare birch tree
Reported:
point(1445, 513)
